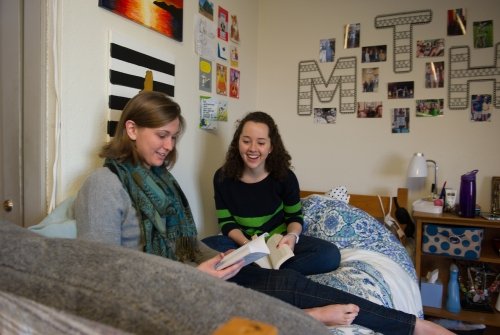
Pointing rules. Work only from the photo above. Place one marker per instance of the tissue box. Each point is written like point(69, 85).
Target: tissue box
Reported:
point(432, 293)
point(461, 242)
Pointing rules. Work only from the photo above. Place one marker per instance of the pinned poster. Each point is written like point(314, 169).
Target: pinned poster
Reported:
point(208, 112)
point(222, 110)
point(222, 24)
point(222, 52)
point(234, 84)
point(221, 75)
point(234, 55)
point(205, 75)
point(204, 37)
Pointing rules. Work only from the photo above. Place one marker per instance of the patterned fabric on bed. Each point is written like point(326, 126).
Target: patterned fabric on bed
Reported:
point(367, 248)
point(351, 227)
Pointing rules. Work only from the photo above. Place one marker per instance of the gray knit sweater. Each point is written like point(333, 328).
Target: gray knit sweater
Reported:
point(104, 213)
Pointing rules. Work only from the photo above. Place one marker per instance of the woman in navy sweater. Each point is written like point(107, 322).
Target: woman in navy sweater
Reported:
point(256, 192)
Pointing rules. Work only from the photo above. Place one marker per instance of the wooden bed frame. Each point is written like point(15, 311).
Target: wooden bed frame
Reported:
point(370, 203)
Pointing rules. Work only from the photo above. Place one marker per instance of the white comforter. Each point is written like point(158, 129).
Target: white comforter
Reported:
point(375, 265)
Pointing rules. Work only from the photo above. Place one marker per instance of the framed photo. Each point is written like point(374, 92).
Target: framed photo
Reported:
point(400, 120)
point(483, 34)
point(369, 76)
point(481, 107)
point(165, 18)
point(430, 48)
point(374, 53)
point(400, 90)
point(434, 74)
point(351, 35)
point(429, 107)
point(457, 22)
point(495, 195)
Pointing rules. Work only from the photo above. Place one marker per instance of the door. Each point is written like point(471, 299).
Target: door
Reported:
point(22, 116)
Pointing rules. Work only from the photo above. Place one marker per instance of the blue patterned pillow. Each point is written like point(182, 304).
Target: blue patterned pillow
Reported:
point(350, 227)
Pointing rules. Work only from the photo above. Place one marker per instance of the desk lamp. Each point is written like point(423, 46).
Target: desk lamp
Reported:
point(418, 169)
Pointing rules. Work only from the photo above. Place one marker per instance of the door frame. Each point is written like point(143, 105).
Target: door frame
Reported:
point(25, 150)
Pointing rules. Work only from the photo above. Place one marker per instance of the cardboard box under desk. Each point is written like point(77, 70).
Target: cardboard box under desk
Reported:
point(432, 293)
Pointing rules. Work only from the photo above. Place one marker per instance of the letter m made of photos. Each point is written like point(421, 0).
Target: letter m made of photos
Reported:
point(342, 79)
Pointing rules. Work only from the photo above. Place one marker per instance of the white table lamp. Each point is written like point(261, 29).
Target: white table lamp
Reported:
point(418, 169)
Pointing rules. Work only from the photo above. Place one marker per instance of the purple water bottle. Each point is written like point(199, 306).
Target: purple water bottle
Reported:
point(468, 194)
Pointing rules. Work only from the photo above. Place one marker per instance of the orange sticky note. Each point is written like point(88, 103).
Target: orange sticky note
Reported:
point(242, 326)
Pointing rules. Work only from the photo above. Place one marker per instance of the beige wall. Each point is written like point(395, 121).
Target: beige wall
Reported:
point(362, 153)
point(84, 77)
point(276, 35)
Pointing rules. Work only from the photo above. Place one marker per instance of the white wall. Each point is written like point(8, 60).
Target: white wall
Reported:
point(276, 35)
point(84, 68)
point(362, 153)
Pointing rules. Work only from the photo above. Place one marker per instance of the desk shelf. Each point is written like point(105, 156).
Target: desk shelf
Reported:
point(426, 262)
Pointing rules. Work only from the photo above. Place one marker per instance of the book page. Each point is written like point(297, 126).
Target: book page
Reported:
point(250, 252)
point(279, 255)
point(264, 262)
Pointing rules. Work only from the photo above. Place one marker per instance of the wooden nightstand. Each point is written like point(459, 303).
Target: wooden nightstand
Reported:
point(427, 262)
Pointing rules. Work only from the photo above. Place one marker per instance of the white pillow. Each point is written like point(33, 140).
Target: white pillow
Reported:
point(339, 193)
point(60, 223)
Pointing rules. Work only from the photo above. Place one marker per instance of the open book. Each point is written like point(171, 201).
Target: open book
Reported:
point(266, 255)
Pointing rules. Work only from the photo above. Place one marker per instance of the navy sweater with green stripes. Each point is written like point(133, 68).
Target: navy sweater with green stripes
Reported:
point(266, 206)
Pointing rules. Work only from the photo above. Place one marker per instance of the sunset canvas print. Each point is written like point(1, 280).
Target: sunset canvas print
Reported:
point(162, 16)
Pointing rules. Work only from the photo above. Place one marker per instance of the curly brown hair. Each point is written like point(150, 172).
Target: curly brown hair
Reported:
point(277, 163)
point(147, 109)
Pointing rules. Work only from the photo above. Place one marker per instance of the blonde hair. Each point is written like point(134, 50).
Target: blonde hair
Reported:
point(147, 109)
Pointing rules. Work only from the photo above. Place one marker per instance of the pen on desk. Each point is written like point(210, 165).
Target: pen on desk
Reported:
point(443, 191)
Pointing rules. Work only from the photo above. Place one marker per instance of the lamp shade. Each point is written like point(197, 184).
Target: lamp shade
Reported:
point(418, 166)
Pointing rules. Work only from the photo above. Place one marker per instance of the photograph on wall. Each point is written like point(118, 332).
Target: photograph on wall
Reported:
point(400, 90)
point(205, 75)
point(161, 16)
point(429, 107)
point(206, 8)
point(326, 50)
point(400, 120)
point(430, 48)
point(371, 109)
point(369, 76)
point(325, 115)
point(221, 74)
point(375, 53)
point(222, 110)
point(480, 107)
point(457, 22)
point(208, 112)
point(483, 34)
point(222, 24)
point(234, 83)
point(434, 74)
point(234, 55)
point(352, 34)
point(235, 30)
point(134, 67)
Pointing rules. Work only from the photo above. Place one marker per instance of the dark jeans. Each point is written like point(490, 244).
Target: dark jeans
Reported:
point(298, 290)
point(312, 255)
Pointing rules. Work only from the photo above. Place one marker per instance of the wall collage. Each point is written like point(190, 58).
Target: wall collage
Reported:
point(344, 77)
point(135, 67)
point(217, 39)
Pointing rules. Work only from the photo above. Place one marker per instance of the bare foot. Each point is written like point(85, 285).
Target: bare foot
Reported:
point(424, 327)
point(335, 315)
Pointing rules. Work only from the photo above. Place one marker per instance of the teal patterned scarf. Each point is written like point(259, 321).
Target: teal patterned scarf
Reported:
point(166, 220)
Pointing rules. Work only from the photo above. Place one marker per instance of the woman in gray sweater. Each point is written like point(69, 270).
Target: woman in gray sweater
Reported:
point(134, 201)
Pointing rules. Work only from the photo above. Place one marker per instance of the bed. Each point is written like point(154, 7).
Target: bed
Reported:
point(375, 265)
